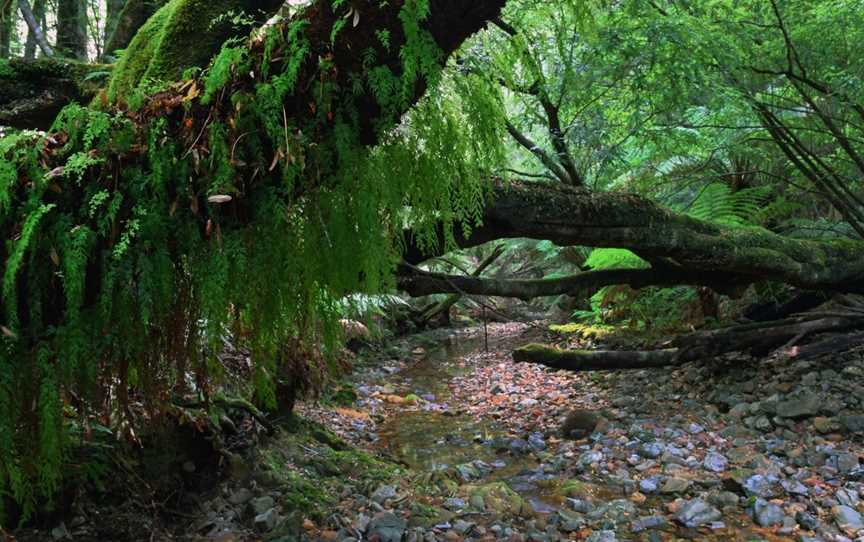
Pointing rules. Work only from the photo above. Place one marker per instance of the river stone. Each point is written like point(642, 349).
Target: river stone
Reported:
point(387, 526)
point(715, 462)
point(536, 441)
point(383, 493)
point(602, 536)
point(847, 462)
point(761, 486)
point(696, 512)
point(455, 503)
point(570, 521)
point(649, 522)
point(853, 423)
point(651, 450)
point(241, 496)
point(847, 518)
point(261, 504)
point(805, 406)
point(767, 514)
point(675, 485)
point(266, 521)
point(649, 485)
point(807, 521)
point(467, 472)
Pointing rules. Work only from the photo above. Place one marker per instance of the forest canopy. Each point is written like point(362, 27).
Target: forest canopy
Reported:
point(239, 168)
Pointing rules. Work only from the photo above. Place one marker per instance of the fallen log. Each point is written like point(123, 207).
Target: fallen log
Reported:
point(442, 308)
point(758, 338)
point(570, 216)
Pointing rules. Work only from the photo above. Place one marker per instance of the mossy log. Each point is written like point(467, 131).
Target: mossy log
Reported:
point(699, 252)
point(32, 92)
point(759, 338)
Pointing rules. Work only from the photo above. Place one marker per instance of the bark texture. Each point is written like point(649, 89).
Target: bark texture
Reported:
point(700, 251)
point(33, 92)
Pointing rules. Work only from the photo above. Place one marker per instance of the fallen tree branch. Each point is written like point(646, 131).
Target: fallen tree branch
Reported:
point(417, 282)
point(571, 216)
point(759, 338)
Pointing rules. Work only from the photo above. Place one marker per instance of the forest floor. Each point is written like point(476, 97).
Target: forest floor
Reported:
point(442, 439)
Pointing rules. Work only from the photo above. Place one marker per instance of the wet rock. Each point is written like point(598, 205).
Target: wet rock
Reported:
point(266, 521)
point(722, 499)
point(455, 503)
point(767, 514)
point(570, 521)
point(387, 527)
point(762, 486)
point(649, 523)
point(478, 503)
point(847, 518)
point(241, 496)
point(807, 521)
point(804, 406)
point(537, 442)
point(846, 462)
point(613, 513)
point(848, 497)
point(464, 527)
point(675, 485)
point(852, 424)
point(580, 505)
point(579, 424)
point(383, 493)
point(602, 536)
point(825, 425)
point(651, 450)
point(696, 512)
point(715, 462)
point(649, 485)
point(589, 458)
point(467, 472)
point(519, 446)
point(261, 505)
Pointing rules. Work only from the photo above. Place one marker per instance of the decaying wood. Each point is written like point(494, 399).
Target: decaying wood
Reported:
point(758, 338)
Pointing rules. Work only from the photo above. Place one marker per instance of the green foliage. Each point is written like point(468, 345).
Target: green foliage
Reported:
point(122, 269)
point(719, 203)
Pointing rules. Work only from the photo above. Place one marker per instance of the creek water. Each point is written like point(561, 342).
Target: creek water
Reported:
point(438, 435)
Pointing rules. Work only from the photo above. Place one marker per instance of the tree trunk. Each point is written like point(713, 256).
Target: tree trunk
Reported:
point(35, 24)
point(442, 309)
point(7, 26)
point(72, 28)
point(33, 92)
point(701, 252)
point(113, 10)
point(132, 17)
point(759, 339)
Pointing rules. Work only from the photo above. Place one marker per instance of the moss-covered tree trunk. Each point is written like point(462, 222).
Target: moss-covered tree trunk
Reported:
point(145, 227)
point(682, 249)
point(72, 28)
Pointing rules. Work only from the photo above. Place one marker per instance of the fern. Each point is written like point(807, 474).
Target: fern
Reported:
point(718, 203)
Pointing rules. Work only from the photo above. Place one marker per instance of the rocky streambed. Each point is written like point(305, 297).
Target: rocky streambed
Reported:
point(738, 449)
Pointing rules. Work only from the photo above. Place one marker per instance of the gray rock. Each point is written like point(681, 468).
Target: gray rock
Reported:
point(580, 505)
point(762, 486)
point(715, 462)
point(261, 505)
point(649, 485)
point(696, 512)
point(675, 485)
point(805, 406)
point(767, 514)
point(848, 518)
point(383, 493)
point(847, 497)
point(519, 446)
point(536, 442)
point(723, 499)
point(266, 521)
point(602, 536)
point(651, 450)
point(613, 513)
point(454, 503)
point(241, 496)
point(463, 527)
point(467, 472)
point(807, 521)
point(853, 423)
point(648, 523)
point(387, 526)
point(847, 462)
point(570, 521)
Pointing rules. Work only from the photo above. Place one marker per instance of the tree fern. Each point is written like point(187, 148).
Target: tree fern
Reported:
point(717, 202)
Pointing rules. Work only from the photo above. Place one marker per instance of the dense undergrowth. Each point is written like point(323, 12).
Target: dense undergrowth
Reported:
point(150, 229)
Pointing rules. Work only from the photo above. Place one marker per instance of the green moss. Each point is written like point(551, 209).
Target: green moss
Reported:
point(180, 35)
